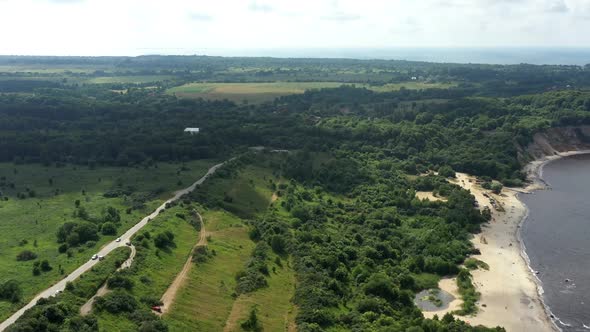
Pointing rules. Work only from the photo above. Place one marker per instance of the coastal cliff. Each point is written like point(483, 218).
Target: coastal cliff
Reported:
point(554, 141)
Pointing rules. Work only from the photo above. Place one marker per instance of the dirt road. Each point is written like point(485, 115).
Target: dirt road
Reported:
point(170, 294)
point(102, 291)
point(105, 250)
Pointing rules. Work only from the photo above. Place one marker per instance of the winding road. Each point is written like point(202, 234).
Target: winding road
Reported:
point(102, 291)
point(105, 250)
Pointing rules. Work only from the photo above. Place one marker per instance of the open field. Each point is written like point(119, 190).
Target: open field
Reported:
point(260, 92)
point(47, 200)
point(127, 79)
point(154, 269)
point(273, 304)
point(206, 300)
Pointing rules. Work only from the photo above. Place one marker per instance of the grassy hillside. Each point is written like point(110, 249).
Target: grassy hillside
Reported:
point(48, 197)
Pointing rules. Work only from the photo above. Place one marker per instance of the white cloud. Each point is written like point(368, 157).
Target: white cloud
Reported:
point(101, 27)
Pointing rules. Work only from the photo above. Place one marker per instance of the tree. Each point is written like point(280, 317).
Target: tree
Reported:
point(45, 266)
point(252, 323)
point(164, 240)
point(108, 228)
point(10, 290)
point(278, 244)
point(446, 171)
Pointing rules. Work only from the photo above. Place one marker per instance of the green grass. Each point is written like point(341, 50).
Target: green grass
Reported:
point(206, 300)
point(246, 195)
point(275, 309)
point(128, 79)
point(156, 267)
point(37, 219)
point(261, 92)
point(474, 264)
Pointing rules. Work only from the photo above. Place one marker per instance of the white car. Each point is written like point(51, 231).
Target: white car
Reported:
point(118, 239)
point(100, 258)
point(57, 292)
point(94, 257)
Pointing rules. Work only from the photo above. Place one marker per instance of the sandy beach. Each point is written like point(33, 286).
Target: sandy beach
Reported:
point(509, 296)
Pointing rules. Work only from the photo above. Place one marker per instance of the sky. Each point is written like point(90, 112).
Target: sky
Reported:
point(135, 27)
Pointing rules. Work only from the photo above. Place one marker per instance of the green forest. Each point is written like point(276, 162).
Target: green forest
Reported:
point(319, 185)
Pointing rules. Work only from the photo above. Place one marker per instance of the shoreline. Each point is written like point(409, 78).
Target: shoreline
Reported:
point(534, 171)
point(511, 292)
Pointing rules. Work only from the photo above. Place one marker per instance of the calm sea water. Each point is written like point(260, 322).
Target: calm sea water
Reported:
point(557, 239)
point(490, 55)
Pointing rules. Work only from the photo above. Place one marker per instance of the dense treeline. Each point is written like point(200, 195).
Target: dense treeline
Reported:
point(359, 257)
point(415, 130)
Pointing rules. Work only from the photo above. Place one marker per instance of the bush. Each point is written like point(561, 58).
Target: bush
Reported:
point(164, 240)
point(119, 281)
point(26, 255)
point(446, 171)
point(75, 233)
point(108, 228)
point(252, 323)
point(45, 266)
point(116, 302)
point(10, 290)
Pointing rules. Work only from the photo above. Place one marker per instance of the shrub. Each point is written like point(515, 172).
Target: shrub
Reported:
point(108, 228)
point(26, 255)
point(10, 290)
point(45, 265)
point(116, 302)
point(119, 281)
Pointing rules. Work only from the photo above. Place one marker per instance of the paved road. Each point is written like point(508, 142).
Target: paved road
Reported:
point(61, 285)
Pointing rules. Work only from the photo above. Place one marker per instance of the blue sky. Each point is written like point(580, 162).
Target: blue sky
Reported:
point(132, 27)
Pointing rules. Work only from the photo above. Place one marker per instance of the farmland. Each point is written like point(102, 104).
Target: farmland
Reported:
point(261, 92)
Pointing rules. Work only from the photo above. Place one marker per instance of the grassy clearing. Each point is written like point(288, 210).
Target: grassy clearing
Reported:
point(206, 300)
point(31, 223)
point(275, 310)
point(246, 195)
point(128, 79)
point(261, 92)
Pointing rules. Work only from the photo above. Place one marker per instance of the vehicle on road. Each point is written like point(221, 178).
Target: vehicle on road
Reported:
point(59, 291)
point(94, 257)
point(157, 308)
point(100, 258)
point(118, 239)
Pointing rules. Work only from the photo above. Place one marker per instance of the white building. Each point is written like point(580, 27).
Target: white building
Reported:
point(192, 131)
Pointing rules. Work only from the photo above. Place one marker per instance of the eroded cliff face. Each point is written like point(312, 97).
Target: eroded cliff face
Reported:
point(555, 140)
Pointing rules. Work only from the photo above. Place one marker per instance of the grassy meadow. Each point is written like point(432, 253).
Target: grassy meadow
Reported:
point(208, 301)
point(154, 269)
point(261, 92)
point(47, 200)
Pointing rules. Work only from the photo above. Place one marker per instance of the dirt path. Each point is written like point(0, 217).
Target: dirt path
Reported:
point(105, 250)
point(104, 290)
point(170, 295)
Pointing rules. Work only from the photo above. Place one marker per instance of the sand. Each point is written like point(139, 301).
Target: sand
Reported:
point(429, 195)
point(509, 296)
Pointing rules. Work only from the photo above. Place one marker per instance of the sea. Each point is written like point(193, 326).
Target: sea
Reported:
point(579, 56)
point(556, 235)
